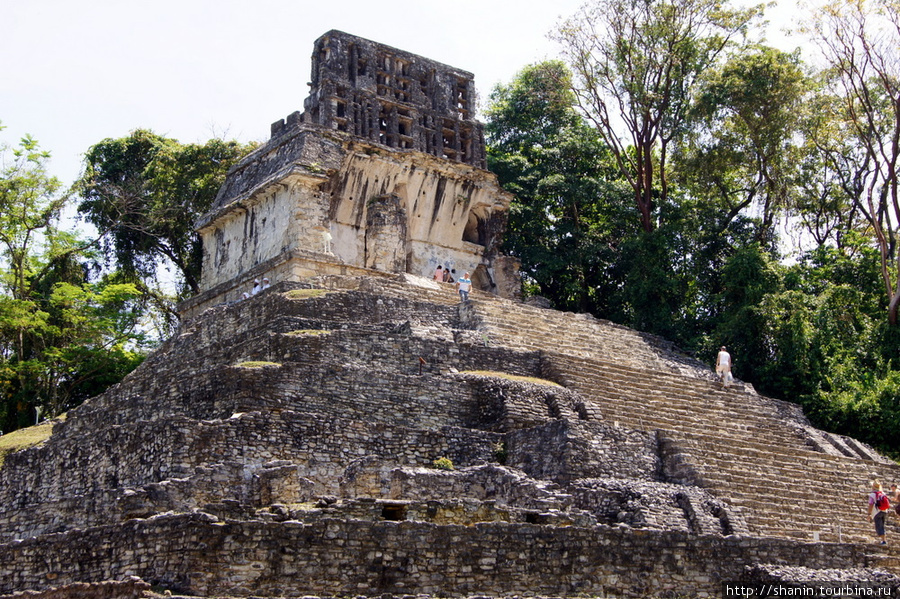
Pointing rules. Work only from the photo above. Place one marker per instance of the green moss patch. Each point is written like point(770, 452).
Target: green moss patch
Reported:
point(513, 377)
point(26, 437)
point(257, 364)
point(302, 294)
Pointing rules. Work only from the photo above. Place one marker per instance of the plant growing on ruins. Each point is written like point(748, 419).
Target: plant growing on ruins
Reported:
point(26, 437)
point(443, 463)
point(512, 377)
point(500, 452)
point(301, 294)
point(308, 332)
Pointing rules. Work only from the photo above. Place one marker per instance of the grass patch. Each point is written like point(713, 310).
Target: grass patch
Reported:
point(301, 294)
point(513, 377)
point(26, 437)
point(257, 364)
point(308, 332)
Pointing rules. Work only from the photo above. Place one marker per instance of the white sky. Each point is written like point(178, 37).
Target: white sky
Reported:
point(74, 72)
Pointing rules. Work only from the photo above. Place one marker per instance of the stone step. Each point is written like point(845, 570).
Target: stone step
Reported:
point(725, 433)
point(772, 499)
point(802, 457)
point(589, 334)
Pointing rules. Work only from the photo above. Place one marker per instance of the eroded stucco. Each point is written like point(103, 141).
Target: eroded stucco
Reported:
point(370, 177)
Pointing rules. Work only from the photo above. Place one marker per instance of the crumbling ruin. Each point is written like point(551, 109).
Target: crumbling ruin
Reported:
point(365, 434)
point(384, 170)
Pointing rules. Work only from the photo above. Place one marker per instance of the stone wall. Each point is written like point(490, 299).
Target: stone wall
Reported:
point(133, 588)
point(323, 398)
point(261, 227)
point(565, 450)
point(486, 482)
point(504, 404)
point(393, 97)
point(320, 446)
point(201, 555)
point(656, 505)
point(311, 334)
point(305, 148)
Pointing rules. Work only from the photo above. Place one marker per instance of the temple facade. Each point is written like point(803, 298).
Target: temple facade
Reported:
point(383, 170)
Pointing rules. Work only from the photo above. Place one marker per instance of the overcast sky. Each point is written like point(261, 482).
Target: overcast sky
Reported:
point(73, 72)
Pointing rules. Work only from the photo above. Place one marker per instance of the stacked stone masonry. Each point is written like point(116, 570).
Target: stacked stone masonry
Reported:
point(285, 445)
point(356, 431)
point(393, 97)
point(384, 170)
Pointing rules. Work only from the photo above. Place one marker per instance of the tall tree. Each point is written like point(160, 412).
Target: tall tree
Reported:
point(636, 63)
point(568, 215)
point(832, 170)
point(860, 41)
point(61, 336)
point(29, 208)
point(742, 151)
point(147, 191)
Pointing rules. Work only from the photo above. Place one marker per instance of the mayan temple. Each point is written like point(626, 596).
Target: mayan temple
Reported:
point(354, 430)
point(384, 170)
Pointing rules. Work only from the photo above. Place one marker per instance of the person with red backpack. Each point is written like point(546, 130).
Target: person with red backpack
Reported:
point(879, 505)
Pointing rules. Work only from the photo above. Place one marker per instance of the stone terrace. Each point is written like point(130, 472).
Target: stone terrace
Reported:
point(285, 445)
point(759, 453)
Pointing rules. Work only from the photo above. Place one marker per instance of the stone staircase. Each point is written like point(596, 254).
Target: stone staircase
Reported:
point(755, 452)
point(760, 454)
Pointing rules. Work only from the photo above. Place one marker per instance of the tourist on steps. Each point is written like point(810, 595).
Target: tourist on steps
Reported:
point(879, 504)
point(895, 498)
point(723, 366)
point(439, 274)
point(464, 285)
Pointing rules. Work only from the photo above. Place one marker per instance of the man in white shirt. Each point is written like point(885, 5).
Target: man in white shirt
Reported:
point(464, 285)
point(723, 366)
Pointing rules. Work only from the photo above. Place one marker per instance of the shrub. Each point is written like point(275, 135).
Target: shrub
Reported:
point(443, 463)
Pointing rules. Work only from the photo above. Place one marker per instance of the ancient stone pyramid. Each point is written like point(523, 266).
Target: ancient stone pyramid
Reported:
point(300, 443)
point(355, 430)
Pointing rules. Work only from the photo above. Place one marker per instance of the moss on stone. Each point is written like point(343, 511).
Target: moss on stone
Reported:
point(26, 437)
point(301, 294)
point(308, 332)
point(513, 377)
point(257, 364)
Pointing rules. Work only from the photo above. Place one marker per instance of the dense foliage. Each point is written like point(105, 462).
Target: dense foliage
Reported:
point(145, 191)
point(674, 216)
point(572, 211)
point(76, 315)
point(64, 335)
